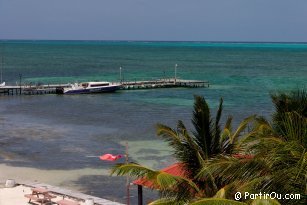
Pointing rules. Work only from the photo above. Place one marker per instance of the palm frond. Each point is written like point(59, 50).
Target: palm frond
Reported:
point(242, 126)
point(295, 101)
point(216, 133)
point(181, 127)
point(167, 201)
point(268, 201)
point(220, 193)
point(302, 166)
point(217, 201)
point(261, 129)
point(168, 134)
point(226, 132)
point(132, 169)
point(177, 140)
point(202, 124)
point(167, 181)
point(294, 127)
point(218, 114)
point(229, 169)
point(167, 184)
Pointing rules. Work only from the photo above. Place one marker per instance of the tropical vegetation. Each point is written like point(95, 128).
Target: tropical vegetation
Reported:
point(260, 156)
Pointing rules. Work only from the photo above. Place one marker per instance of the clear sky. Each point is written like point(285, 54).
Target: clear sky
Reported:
point(189, 20)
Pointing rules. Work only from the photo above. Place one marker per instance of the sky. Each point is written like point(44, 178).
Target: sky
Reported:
point(155, 20)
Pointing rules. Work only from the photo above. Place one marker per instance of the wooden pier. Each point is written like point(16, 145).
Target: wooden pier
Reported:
point(31, 90)
point(164, 83)
point(125, 85)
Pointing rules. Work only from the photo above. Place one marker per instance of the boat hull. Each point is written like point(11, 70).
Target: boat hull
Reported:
point(106, 89)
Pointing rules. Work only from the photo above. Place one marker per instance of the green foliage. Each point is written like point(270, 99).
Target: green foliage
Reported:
point(132, 169)
point(278, 150)
point(260, 201)
point(206, 141)
point(220, 194)
point(293, 102)
point(168, 201)
point(217, 201)
point(159, 179)
point(271, 157)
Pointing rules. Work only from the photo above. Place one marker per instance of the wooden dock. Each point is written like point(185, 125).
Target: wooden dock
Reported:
point(125, 85)
point(164, 83)
point(31, 90)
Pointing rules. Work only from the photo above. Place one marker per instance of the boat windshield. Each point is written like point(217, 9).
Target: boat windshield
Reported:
point(84, 85)
point(99, 84)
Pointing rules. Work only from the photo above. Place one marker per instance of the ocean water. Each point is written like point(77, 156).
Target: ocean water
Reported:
point(56, 132)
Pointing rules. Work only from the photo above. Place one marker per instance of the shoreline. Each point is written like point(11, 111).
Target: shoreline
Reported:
point(54, 177)
point(17, 194)
point(94, 184)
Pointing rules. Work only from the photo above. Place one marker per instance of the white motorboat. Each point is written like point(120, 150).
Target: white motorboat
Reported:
point(89, 87)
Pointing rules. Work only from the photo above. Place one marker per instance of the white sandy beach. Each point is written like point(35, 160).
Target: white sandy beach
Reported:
point(19, 195)
point(60, 178)
point(10, 196)
point(15, 196)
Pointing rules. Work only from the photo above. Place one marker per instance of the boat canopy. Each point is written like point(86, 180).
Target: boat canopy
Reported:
point(94, 84)
point(99, 84)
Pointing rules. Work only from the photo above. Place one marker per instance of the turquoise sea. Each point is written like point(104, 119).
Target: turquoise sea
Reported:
point(56, 132)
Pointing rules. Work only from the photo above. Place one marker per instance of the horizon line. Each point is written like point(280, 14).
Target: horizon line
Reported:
point(195, 41)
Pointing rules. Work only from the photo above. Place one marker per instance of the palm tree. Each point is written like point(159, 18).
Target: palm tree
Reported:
point(279, 158)
point(192, 150)
point(206, 141)
point(294, 104)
